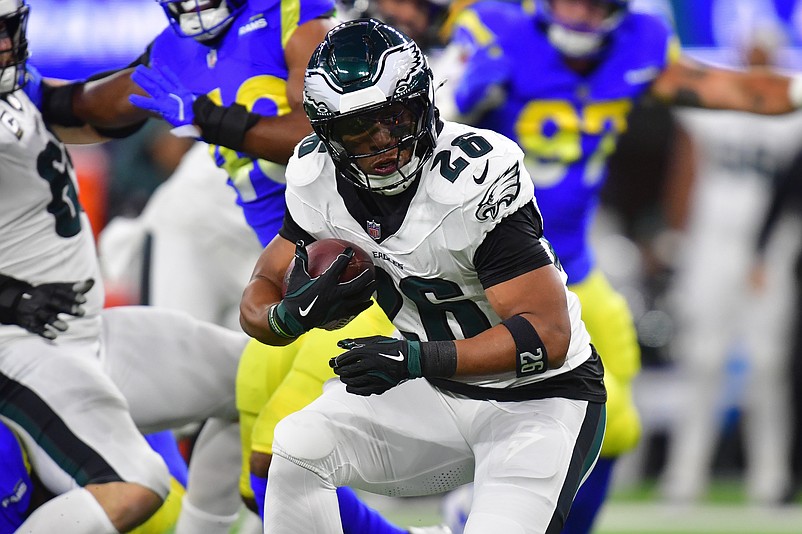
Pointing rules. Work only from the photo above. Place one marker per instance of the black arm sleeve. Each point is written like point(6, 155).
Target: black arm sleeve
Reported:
point(512, 248)
point(291, 231)
point(57, 104)
point(223, 125)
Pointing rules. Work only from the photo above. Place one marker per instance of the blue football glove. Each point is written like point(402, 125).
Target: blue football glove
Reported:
point(321, 301)
point(37, 308)
point(33, 85)
point(372, 365)
point(168, 96)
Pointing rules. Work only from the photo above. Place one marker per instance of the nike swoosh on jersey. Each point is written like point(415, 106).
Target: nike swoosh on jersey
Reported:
point(397, 357)
point(305, 311)
point(481, 179)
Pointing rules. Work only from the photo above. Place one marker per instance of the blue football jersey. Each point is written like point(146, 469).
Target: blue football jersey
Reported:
point(15, 482)
point(247, 67)
point(566, 123)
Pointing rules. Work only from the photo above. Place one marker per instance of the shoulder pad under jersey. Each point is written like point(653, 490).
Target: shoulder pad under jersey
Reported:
point(480, 170)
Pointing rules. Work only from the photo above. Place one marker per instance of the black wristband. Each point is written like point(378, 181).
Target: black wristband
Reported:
point(223, 125)
point(11, 291)
point(438, 359)
point(531, 357)
point(57, 105)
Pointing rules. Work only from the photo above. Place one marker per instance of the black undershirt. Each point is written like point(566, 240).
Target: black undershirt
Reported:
point(389, 211)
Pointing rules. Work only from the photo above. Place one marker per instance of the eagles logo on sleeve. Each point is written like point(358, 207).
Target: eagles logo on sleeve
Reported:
point(502, 193)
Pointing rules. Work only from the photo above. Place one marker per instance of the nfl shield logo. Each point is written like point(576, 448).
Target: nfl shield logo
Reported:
point(374, 230)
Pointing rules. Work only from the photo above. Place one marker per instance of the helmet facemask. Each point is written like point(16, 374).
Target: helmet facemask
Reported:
point(370, 98)
point(14, 51)
point(382, 148)
point(202, 20)
point(580, 41)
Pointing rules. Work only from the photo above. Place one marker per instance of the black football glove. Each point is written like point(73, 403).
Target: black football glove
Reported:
point(322, 301)
point(37, 308)
point(372, 365)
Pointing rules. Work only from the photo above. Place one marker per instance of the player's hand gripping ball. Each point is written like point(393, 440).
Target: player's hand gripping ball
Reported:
point(322, 253)
point(326, 285)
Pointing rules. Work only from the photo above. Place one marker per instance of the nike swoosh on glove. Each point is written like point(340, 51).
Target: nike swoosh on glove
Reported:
point(372, 365)
point(314, 302)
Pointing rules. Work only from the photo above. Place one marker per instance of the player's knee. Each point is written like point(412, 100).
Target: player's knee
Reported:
point(131, 502)
point(126, 504)
point(306, 436)
point(287, 473)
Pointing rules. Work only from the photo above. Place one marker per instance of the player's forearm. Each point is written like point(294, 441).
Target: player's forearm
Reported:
point(104, 102)
point(755, 91)
point(765, 92)
point(257, 298)
point(494, 351)
point(534, 335)
point(269, 138)
point(90, 112)
point(274, 138)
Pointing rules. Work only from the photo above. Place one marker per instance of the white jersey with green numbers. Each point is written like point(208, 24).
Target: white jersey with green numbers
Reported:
point(427, 279)
point(44, 233)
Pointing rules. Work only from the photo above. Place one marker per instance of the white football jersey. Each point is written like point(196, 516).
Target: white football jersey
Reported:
point(428, 283)
point(738, 156)
point(44, 233)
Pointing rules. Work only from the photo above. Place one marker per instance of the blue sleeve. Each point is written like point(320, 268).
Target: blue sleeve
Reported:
point(312, 9)
point(16, 486)
point(475, 32)
point(165, 444)
point(483, 71)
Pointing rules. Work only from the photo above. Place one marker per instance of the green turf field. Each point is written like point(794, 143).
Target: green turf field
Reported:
point(639, 511)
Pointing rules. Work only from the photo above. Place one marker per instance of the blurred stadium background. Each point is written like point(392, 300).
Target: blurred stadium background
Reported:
point(73, 39)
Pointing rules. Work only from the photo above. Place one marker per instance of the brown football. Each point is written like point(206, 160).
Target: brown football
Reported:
point(322, 254)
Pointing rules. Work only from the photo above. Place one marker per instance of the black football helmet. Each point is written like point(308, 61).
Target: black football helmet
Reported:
point(14, 51)
point(364, 75)
point(202, 20)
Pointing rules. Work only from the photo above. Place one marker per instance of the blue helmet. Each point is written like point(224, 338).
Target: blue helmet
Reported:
point(580, 41)
point(13, 21)
point(202, 20)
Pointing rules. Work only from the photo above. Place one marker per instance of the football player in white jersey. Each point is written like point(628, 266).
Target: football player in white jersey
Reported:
point(517, 402)
point(58, 351)
point(53, 393)
point(739, 155)
point(201, 254)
